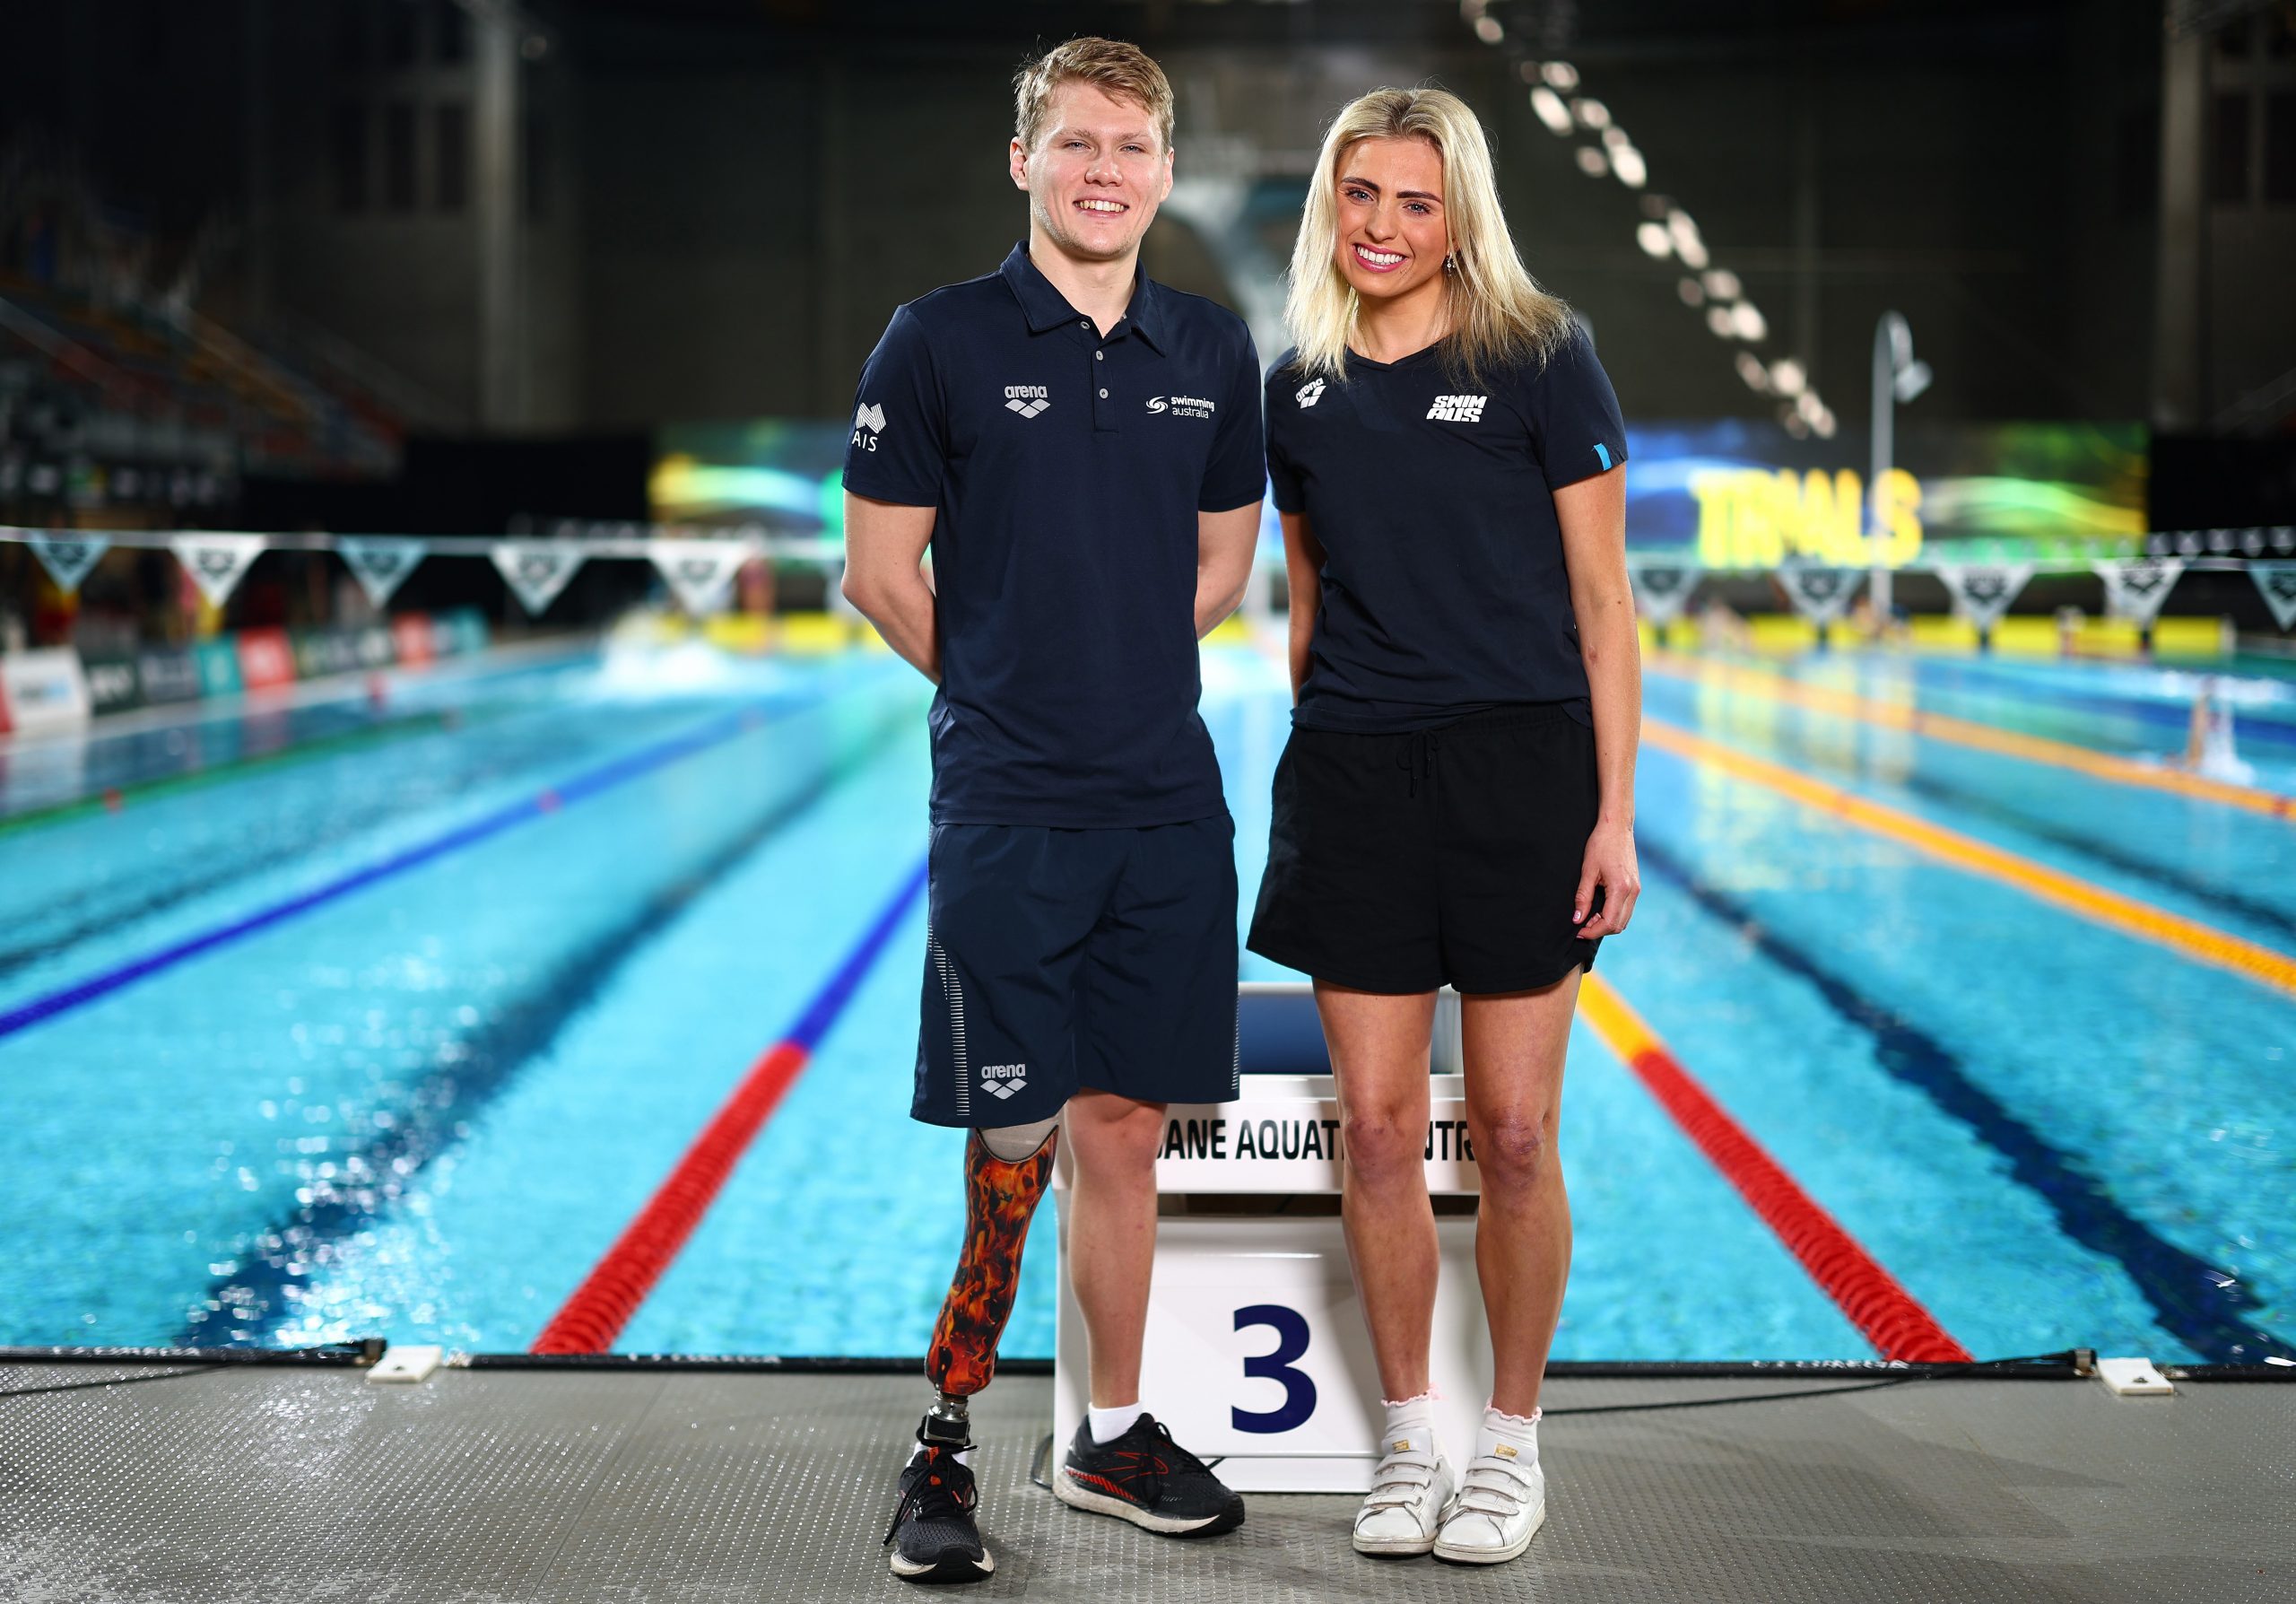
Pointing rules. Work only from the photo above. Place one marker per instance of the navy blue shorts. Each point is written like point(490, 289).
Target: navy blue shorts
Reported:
point(1062, 959)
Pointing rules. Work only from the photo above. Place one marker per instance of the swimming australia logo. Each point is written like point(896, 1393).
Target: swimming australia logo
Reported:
point(868, 423)
point(1458, 409)
point(1311, 393)
point(1002, 1080)
point(1182, 406)
point(1027, 399)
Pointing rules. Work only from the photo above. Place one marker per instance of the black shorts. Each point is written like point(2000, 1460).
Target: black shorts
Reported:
point(1062, 959)
point(1399, 863)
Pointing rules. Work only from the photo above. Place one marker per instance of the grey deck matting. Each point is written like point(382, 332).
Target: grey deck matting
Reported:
point(265, 1486)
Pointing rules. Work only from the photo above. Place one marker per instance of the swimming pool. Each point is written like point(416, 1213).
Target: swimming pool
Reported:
point(388, 1020)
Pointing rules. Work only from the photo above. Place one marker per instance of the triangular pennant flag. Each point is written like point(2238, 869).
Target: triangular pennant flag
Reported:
point(381, 564)
point(701, 572)
point(1983, 593)
point(217, 562)
point(2136, 587)
point(2277, 580)
point(68, 557)
point(1820, 595)
point(537, 570)
point(1661, 589)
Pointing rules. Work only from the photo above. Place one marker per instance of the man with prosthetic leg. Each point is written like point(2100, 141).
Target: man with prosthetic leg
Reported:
point(1079, 448)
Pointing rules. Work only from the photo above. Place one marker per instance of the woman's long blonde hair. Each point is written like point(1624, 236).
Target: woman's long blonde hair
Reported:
point(1495, 310)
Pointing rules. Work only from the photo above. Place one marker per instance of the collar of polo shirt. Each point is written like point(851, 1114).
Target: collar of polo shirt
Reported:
point(1045, 307)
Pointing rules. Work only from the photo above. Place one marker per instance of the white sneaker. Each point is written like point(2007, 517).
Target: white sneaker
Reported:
point(1406, 1504)
point(1501, 1506)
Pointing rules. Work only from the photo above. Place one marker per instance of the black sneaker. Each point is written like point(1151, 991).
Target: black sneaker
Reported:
point(933, 1535)
point(1145, 1477)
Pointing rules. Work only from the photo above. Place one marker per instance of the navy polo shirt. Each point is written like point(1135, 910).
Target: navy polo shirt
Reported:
point(1067, 468)
point(1432, 496)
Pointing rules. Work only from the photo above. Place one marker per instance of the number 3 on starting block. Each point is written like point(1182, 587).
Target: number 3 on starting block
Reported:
point(1299, 1386)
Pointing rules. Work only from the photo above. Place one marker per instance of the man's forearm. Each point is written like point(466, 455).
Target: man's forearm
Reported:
point(1217, 595)
point(903, 611)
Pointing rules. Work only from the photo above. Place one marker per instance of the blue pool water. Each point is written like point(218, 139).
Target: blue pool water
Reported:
point(407, 1050)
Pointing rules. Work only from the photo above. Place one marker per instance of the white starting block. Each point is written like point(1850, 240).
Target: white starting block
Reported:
point(1256, 1356)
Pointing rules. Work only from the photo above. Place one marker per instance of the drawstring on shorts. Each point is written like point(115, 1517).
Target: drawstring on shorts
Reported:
point(1416, 758)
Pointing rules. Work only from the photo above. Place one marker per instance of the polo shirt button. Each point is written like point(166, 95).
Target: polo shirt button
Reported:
point(1099, 356)
point(1104, 394)
point(1083, 323)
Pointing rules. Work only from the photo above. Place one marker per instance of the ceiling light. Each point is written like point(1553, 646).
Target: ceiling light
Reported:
point(1653, 240)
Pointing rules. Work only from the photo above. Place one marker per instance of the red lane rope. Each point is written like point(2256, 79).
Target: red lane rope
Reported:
point(593, 1317)
point(1892, 1319)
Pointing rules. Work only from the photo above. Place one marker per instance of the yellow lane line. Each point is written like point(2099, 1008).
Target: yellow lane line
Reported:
point(2187, 936)
point(1963, 732)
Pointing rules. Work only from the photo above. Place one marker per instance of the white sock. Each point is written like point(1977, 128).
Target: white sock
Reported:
point(1410, 1425)
point(1111, 1423)
point(1514, 1437)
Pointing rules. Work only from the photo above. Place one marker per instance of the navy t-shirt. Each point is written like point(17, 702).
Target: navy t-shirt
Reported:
point(1432, 496)
point(1067, 468)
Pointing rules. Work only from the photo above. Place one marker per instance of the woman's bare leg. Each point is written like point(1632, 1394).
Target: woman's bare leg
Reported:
point(1379, 1053)
point(1514, 1043)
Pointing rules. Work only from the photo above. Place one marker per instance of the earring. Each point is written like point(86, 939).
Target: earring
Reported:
point(1448, 266)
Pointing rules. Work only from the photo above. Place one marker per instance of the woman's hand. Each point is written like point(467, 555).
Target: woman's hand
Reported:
point(1611, 865)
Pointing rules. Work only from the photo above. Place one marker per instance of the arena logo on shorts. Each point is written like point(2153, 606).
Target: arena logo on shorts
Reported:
point(1181, 406)
point(1027, 399)
point(1458, 409)
point(1310, 393)
point(1002, 1080)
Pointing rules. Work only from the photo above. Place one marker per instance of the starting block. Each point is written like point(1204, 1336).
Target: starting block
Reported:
point(1256, 1354)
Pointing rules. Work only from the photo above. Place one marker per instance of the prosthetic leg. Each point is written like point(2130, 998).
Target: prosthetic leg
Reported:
point(1001, 1195)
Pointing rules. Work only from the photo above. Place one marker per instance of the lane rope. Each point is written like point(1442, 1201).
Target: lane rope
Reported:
point(2188, 937)
point(593, 1318)
point(1963, 732)
point(606, 776)
point(1891, 1318)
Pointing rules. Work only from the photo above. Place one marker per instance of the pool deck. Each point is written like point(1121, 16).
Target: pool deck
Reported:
point(270, 1482)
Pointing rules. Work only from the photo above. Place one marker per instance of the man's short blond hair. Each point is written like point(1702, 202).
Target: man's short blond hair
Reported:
point(1126, 72)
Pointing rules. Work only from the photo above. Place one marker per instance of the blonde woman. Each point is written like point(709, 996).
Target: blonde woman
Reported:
point(1455, 804)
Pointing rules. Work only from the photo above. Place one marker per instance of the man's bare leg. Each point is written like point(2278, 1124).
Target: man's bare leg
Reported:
point(1112, 1232)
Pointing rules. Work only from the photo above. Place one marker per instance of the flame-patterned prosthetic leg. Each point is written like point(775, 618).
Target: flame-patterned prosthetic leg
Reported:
point(1001, 1196)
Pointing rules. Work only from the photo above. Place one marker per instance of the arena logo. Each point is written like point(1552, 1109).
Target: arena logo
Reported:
point(1002, 1080)
point(1027, 399)
point(1308, 393)
point(1182, 406)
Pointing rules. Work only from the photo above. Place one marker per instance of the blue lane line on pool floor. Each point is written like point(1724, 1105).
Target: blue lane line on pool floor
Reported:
point(2184, 1291)
point(581, 787)
point(247, 1303)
